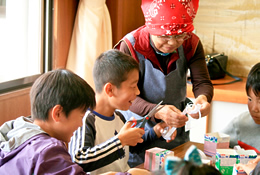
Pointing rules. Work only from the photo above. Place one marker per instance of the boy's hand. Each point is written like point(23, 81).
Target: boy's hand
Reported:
point(130, 136)
point(246, 167)
point(256, 160)
point(158, 129)
point(249, 166)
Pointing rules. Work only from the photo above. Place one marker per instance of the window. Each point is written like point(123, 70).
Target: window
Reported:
point(23, 43)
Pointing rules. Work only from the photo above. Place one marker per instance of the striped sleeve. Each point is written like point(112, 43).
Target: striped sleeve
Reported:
point(89, 156)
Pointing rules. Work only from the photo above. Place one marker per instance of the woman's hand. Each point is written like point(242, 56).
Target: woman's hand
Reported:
point(205, 106)
point(171, 116)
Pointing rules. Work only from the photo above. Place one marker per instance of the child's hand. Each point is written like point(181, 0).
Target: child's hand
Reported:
point(130, 136)
point(256, 160)
point(246, 167)
point(138, 171)
point(174, 134)
point(158, 129)
point(109, 173)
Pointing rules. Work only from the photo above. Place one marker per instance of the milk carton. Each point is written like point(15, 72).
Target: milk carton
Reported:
point(244, 156)
point(214, 141)
point(225, 160)
point(154, 158)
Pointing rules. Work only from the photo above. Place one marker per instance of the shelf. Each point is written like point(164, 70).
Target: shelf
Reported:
point(234, 93)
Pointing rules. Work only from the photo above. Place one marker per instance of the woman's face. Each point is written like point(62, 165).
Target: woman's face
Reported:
point(168, 44)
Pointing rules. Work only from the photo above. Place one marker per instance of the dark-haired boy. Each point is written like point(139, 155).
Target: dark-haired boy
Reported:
point(103, 139)
point(36, 144)
point(244, 130)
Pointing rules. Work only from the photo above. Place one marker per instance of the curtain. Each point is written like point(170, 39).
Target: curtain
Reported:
point(91, 36)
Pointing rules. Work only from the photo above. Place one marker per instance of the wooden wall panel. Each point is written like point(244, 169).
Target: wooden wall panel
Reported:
point(14, 104)
point(64, 13)
point(126, 15)
point(231, 27)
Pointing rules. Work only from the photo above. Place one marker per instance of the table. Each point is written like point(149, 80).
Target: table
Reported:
point(180, 151)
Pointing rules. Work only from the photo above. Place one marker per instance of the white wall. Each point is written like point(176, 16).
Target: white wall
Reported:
point(220, 115)
point(222, 112)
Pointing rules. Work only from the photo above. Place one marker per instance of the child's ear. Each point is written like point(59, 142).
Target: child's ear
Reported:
point(108, 88)
point(56, 113)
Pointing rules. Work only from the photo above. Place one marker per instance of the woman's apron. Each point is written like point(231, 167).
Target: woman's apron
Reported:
point(154, 86)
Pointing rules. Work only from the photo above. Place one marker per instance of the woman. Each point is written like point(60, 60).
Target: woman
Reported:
point(166, 48)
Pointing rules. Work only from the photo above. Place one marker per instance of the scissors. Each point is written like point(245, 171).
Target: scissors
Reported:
point(141, 122)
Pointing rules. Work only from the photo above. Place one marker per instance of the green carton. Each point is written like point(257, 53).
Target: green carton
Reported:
point(226, 158)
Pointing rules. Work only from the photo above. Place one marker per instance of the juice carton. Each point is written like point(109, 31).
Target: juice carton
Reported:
point(214, 141)
point(225, 160)
point(244, 156)
point(154, 158)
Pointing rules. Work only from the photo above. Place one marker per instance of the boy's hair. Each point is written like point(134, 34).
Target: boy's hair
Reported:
point(112, 66)
point(253, 80)
point(60, 87)
point(191, 169)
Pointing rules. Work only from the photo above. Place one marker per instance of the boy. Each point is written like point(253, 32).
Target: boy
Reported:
point(36, 144)
point(103, 139)
point(244, 130)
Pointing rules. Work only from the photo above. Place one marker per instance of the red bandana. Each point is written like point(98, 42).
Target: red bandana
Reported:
point(169, 17)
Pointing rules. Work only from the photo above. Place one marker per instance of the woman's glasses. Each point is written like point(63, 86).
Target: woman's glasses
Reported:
point(182, 37)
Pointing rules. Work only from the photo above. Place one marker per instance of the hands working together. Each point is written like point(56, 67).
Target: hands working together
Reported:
point(131, 136)
point(173, 117)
